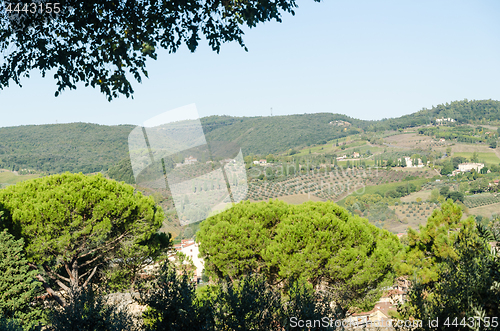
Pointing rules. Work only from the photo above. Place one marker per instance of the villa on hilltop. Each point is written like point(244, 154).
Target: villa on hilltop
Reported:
point(465, 167)
point(340, 123)
point(444, 120)
point(409, 162)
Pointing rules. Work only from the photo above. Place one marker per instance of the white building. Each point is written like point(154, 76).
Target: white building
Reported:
point(409, 162)
point(190, 160)
point(191, 249)
point(340, 123)
point(465, 167)
point(444, 120)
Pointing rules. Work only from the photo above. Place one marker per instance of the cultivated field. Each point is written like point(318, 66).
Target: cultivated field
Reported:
point(297, 199)
point(480, 200)
point(486, 211)
point(413, 141)
point(470, 148)
point(488, 157)
point(335, 185)
point(8, 177)
point(424, 195)
point(411, 214)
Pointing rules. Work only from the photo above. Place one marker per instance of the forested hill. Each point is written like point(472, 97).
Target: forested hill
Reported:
point(264, 135)
point(474, 111)
point(55, 148)
point(82, 147)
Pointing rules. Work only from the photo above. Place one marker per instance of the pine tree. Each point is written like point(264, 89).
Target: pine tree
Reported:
point(18, 286)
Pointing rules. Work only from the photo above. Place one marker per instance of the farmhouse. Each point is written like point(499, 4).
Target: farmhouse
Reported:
point(340, 123)
point(444, 120)
point(355, 154)
point(388, 302)
point(190, 160)
point(465, 167)
point(191, 249)
point(409, 162)
point(378, 315)
point(263, 161)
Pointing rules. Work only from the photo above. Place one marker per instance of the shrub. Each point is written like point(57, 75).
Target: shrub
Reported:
point(86, 310)
point(18, 287)
point(10, 325)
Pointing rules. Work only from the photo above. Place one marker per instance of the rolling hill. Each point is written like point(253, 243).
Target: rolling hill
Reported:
point(87, 148)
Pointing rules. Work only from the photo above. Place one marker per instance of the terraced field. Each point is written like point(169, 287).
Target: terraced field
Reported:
point(414, 213)
point(334, 185)
point(480, 200)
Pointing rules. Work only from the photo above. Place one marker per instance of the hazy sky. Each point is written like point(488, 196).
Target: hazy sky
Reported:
point(367, 59)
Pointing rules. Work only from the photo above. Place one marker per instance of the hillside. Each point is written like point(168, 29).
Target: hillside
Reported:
point(55, 148)
point(83, 147)
point(464, 112)
point(277, 134)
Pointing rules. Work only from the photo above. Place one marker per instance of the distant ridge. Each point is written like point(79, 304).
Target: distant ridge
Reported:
point(87, 148)
point(56, 148)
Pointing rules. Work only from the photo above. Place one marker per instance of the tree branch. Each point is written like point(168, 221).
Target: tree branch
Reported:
point(108, 244)
point(63, 286)
point(87, 272)
point(70, 273)
point(53, 275)
point(90, 261)
point(90, 277)
point(50, 291)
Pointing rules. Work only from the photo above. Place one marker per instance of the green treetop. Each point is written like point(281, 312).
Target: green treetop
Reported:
point(74, 224)
point(468, 284)
point(433, 243)
point(318, 242)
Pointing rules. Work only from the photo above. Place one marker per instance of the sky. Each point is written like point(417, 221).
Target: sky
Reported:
point(366, 59)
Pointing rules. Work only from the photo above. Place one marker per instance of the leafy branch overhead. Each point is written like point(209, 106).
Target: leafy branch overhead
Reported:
point(101, 43)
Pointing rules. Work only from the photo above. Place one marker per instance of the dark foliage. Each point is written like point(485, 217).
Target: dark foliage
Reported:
point(170, 299)
point(10, 325)
point(248, 304)
point(102, 43)
point(18, 287)
point(88, 311)
point(468, 287)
